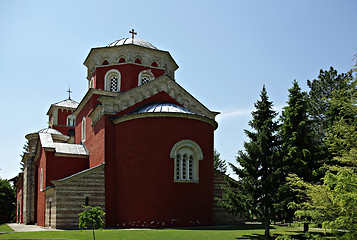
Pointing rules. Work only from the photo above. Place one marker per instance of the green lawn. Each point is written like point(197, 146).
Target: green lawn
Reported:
point(5, 228)
point(250, 231)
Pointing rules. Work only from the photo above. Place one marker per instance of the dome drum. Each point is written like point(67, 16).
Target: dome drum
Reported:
point(115, 53)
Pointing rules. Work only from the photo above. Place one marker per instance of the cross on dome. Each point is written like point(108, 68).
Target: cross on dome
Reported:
point(133, 33)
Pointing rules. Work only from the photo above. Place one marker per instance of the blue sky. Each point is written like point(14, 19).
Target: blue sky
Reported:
point(226, 50)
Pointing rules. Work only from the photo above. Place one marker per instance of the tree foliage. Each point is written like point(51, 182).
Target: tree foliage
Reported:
point(219, 164)
point(298, 152)
point(91, 216)
point(334, 202)
point(254, 194)
point(7, 201)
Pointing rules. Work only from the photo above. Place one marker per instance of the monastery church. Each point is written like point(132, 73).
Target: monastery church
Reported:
point(138, 145)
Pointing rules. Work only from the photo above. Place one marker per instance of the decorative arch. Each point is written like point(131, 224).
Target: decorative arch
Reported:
point(186, 154)
point(71, 121)
point(145, 76)
point(112, 81)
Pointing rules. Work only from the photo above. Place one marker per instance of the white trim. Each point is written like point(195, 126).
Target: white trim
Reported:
point(71, 121)
point(107, 83)
point(83, 128)
point(182, 152)
point(145, 74)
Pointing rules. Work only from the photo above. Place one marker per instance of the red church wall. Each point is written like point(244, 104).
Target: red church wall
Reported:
point(39, 195)
point(129, 75)
point(140, 175)
point(62, 116)
point(53, 168)
point(19, 200)
point(63, 129)
point(94, 142)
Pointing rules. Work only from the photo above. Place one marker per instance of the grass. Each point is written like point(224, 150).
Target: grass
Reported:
point(249, 231)
point(5, 228)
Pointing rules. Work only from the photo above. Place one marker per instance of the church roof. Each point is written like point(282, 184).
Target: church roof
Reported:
point(62, 148)
point(50, 131)
point(135, 41)
point(67, 103)
point(162, 107)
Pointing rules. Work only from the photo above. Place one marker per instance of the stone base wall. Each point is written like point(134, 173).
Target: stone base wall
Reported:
point(71, 194)
point(219, 215)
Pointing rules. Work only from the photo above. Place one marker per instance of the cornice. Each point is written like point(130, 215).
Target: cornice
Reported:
point(130, 52)
point(111, 105)
point(166, 114)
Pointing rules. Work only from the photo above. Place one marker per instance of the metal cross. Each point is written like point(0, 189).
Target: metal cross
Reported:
point(132, 33)
point(69, 93)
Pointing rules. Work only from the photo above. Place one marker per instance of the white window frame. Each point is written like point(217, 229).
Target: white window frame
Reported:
point(83, 128)
point(91, 83)
point(145, 74)
point(108, 76)
point(71, 121)
point(184, 171)
point(41, 179)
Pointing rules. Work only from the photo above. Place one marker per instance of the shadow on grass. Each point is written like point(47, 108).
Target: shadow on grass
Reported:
point(294, 234)
point(252, 226)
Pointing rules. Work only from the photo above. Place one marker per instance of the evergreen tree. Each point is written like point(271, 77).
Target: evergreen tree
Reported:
point(321, 112)
point(298, 150)
point(334, 202)
point(219, 164)
point(254, 194)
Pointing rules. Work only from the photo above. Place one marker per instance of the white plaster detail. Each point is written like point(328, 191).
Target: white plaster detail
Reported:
point(112, 76)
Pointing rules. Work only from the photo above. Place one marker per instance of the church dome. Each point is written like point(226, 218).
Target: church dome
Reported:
point(50, 130)
point(163, 107)
point(135, 41)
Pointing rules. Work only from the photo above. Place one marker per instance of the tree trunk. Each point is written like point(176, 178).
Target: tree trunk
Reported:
point(267, 228)
point(93, 234)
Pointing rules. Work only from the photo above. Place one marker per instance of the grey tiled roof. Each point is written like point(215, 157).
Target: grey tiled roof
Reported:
point(62, 148)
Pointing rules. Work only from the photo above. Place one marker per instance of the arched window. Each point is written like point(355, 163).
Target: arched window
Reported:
point(154, 64)
point(83, 128)
point(105, 62)
point(186, 154)
point(122, 60)
point(71, 121)
point(91, 83)
point(138, 61)
point(145, 76)
point(112, 80)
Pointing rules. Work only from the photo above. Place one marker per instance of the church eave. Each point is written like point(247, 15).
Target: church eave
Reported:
point(166, 114)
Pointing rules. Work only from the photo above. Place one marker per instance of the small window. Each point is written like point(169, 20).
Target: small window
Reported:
point(41, 179)
point(105, 62)
point(154, 64)
point(71, 121)
point(91, 83)
point(145, 77)
point(138, 61)
point(83, 129)
point(86, 202)
point(122, 60)
point(112, 80)
point(186, 154)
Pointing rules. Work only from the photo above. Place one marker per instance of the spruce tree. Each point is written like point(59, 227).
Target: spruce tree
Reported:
point(298, 149)
point(254, 194)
